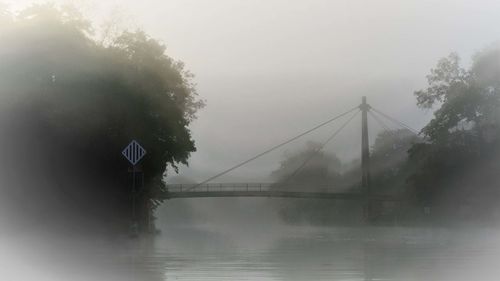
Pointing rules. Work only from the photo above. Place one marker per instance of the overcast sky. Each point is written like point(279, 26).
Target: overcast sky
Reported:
point(270, 69)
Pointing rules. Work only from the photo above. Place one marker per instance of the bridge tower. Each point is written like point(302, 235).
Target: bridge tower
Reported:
point(365, 160)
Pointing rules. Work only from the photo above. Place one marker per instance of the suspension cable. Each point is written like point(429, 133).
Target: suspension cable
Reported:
point(313, 154)
point(388, 129)
point(394, 120)
point(274, 148)
point(385, 126)
point(379, 121)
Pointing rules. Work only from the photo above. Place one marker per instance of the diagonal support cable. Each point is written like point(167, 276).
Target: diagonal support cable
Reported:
point(313, 154)
point(380, 122)
point(274, 148)
point(394, 120)
point(384, 125)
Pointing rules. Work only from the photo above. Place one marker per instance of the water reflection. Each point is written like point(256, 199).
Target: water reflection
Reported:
point(268, 253)
point(312, 254)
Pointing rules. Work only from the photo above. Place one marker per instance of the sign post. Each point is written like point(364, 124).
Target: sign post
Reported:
point(134, 152)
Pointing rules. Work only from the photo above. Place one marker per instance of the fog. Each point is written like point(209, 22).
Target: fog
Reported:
point(313, 58)
point(206, 85)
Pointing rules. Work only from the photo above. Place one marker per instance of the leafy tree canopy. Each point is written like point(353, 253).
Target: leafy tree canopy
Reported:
point(455, 163)
point(71, 104)
point(468, 99)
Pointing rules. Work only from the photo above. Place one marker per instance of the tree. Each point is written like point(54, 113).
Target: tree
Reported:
point(310, 166)
point(462, 136)
point(469, 99)
point(389, 171)
point(71, 104)
point(313, 170)
point(389, 161)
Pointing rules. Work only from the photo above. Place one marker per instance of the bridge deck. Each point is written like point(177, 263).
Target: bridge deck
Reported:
point(260, 190)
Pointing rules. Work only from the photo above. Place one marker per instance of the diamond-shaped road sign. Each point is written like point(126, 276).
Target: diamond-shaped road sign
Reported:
point(134, 152)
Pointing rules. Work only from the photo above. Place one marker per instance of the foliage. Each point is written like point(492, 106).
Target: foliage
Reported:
point(464, 133)
point(309, 166)
point(311, 169)
point(389, 165)
point(389, 170)
point(72, 104)
point(469, 99)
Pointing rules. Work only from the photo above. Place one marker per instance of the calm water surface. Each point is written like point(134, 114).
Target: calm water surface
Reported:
point(297, 253)
point(265, 252)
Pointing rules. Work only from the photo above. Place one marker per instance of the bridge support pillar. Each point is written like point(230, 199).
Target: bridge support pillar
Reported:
point(365, 161)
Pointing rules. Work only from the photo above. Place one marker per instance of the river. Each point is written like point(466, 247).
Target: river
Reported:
point(242, 249)
point(316, 253)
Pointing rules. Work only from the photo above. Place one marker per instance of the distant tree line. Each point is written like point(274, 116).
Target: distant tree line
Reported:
point(325, 172)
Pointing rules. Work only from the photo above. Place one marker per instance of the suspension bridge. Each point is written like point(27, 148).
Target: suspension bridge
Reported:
point(265, 190)
point(286, 189)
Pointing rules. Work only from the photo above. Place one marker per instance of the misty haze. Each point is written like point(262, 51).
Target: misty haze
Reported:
point(249, 140)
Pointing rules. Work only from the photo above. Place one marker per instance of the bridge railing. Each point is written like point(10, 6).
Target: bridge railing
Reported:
point(255, 187)
point(269, 189)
